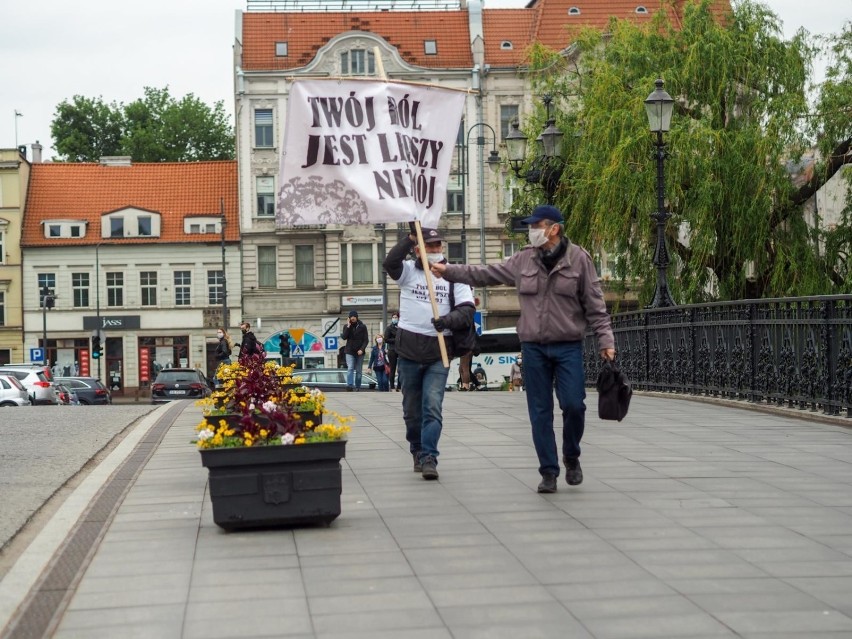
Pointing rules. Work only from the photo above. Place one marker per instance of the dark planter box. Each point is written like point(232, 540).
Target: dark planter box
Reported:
point(305, 416)
point(275, 485)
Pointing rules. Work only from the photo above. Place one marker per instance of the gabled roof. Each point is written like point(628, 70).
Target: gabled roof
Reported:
point(306, 32)
point(87, 191)
point(546, 21)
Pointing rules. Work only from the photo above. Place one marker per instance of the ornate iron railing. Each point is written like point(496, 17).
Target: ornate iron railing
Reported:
point(794, 352)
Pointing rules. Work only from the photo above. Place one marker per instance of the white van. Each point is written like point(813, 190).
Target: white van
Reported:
point(498, 350)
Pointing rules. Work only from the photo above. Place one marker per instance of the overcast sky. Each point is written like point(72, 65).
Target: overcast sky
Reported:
point(55, 49)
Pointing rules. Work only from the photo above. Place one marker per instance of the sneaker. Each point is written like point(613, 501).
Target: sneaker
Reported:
point(573, 472)
point(429, 467)
point(548, 484)
point(418, 467)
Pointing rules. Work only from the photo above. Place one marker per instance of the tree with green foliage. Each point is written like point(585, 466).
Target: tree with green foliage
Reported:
point(741, 119)
point(154, 128)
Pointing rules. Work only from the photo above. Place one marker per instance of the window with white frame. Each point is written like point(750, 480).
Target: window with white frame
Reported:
point(267, 265)
point(510, 248)
point(54, 230)
point(304, 266)
point(281, 49)
point(263, 128)
point(508, 114)
point(455, 252)
point(80, 290)
point(144, 226)
point(265, 196)
point(430, 47)
point(215, 287)
point(183, 281)
point(455, 201)
point(116, 227)
point(148, 288)
point(357, 62)
point(357, 264)
point(46, 280)
point(115, 289)
point(62, 228)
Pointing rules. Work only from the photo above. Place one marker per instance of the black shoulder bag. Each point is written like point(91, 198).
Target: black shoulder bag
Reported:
point(614, 392)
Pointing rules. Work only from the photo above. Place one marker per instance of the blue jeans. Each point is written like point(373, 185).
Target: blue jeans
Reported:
point(382, 378)
point(354, 364)
point(422, 399)
point(562, 361)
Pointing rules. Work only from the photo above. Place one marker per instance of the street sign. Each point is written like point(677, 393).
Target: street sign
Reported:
point(477, 321)
point(36, 354)
point(296, 350)
point(331, 343)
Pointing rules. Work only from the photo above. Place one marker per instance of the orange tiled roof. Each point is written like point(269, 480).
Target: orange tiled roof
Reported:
point(306, 32)
point(544, 21)
point(86, 191)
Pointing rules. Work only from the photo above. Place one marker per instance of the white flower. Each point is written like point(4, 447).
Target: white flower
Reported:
point(204, 435)
point(287, 439)
point(269, 406)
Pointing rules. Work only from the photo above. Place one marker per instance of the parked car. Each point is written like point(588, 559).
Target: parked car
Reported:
point(331, 379)
point(37, 381)
point(12, 392)
point(180, 383)
point(65, 395)
point(90, 390)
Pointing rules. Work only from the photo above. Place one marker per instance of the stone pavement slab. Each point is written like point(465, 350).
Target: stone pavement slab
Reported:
point(695, 520)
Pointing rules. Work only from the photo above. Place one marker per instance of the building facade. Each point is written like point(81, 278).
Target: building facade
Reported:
point(136, 256)
point(14, 177)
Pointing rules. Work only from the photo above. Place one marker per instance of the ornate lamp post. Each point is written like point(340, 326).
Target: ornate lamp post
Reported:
point(493, 163)
point(659, 106)
point(546, 167)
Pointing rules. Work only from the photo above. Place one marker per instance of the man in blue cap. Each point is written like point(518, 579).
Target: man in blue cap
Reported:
point(560, 295)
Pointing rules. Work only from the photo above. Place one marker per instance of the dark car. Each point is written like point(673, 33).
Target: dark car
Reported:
point(89, 390)
point(331, 379)
point(180, 383)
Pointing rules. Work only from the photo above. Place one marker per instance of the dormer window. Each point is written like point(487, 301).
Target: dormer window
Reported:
point(64, 228)
point(201, 224)
point(641, 9)
point(144, 224)
point(130, 223)
point(281, 49)
point(506, 45)
point(574, 11)
point(430, 47)
point(357, 62)
point(116, 227)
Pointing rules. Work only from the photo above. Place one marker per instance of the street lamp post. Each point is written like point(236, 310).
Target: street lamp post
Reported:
point(659, 106)
point(98, 300)
point(47, 301)
point(224, 279)
point(494, 164)
point(546, 167)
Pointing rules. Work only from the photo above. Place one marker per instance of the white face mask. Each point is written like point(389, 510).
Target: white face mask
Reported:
point(538, 237)
point(379, 341)
point(434, 258)
point(220, 335)
point(395, 320)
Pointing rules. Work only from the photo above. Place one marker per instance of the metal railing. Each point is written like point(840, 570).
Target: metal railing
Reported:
point(794, 352)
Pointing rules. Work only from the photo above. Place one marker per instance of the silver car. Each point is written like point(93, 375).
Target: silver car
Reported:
point(36, 381)
point(12, 392)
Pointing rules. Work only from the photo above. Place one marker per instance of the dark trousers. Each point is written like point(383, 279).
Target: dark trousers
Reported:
point(392, 356)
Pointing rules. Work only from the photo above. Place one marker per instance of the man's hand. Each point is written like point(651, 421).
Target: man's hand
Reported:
point(439, 324)
point(360, 353)
point(608, 354)
point(438, 269)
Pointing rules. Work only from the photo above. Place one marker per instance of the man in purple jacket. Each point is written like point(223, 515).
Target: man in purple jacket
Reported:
point(560, 295)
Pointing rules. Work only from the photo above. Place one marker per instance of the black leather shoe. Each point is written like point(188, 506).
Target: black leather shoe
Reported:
point(548, 484)
point(573, 472)
point(429, 467)
point(418, 467)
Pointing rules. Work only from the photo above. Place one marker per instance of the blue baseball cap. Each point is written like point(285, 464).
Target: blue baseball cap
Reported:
point(544, 212)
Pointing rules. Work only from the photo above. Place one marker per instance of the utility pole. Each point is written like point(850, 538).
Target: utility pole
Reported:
point(47, 301)
point(224, 279)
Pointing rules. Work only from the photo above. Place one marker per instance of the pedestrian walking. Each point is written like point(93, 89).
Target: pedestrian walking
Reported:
point(516, 374)
point(223, 348)
point(421, 369)
point(379, 363)
point(390, 343)
point(249, 346)
point(560, 295)
point(357, 339)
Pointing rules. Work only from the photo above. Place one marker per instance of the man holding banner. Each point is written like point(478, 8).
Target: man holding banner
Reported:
point(421, 371)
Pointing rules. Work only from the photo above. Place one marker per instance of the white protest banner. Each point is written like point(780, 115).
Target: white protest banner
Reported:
point(362, 152)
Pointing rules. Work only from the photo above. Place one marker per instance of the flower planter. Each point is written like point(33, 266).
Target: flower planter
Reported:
point(232, 420)
point(309, 415)
point(275, 485)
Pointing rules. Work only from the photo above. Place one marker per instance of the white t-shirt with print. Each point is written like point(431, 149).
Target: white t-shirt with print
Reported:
point(415, 309)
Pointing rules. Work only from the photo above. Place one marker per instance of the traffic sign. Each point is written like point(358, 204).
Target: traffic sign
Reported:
point(477, 321)
point(36, 354)
point(331, 343)
point(296, 350)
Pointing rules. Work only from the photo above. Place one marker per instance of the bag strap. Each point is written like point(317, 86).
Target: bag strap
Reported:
point(452, 296)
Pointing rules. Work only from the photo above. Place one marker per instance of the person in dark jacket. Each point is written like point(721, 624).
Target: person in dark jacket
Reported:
point(357, 339)
point(379, 363)
point(249, 345)
point(421, 371)
point(223, 348)
point(390, 344)
point(560, 296)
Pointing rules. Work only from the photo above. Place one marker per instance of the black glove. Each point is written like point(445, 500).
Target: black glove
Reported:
point(439, 324)
point(412, 227)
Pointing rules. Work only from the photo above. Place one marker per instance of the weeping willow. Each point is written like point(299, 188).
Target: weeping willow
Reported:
point(741, 119)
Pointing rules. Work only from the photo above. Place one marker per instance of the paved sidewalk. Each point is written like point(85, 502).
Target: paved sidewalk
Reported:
point(694, 520)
